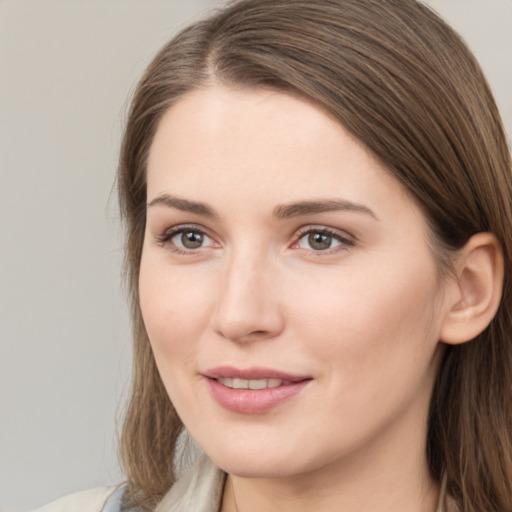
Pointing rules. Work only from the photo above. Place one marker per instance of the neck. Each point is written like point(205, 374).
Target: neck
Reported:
point(382, 493)
point(393, 479)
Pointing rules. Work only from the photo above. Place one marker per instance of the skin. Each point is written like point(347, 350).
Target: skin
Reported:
point(362, 318)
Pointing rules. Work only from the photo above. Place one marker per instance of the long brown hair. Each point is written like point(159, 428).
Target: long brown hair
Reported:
point(404, 83)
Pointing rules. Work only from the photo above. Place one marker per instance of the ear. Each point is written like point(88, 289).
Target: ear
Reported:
point(473, 297)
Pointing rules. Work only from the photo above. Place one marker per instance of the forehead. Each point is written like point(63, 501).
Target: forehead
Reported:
point(222, 143)
point(225, 118)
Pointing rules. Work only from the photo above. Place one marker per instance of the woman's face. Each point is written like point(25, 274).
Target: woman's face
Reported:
point(287, 286)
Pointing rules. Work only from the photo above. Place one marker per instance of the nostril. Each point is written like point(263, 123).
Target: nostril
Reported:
point(257, 335)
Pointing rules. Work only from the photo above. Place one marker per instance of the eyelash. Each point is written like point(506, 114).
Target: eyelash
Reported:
point(344, 241)
point(168, 235)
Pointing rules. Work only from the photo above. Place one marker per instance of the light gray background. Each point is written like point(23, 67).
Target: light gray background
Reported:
point(66, 69)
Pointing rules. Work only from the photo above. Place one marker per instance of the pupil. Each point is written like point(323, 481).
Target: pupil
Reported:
point(319, 241)
point(192, 240)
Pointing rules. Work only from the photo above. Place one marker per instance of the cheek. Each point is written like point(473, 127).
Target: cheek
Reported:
point(370, 324)
point(373, 340)
point(175, 308)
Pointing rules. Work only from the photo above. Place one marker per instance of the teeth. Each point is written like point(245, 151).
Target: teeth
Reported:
point(251, 384)
point(258, 384)
point(240, 384)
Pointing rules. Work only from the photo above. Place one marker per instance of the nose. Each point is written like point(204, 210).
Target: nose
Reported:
point(248, 307)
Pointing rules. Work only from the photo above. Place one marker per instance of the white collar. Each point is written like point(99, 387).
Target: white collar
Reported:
point(198, 490)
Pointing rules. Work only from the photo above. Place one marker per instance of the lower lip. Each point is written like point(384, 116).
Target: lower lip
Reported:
point(253, 401)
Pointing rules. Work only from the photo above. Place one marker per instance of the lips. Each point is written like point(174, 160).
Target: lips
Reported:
point(254, 390)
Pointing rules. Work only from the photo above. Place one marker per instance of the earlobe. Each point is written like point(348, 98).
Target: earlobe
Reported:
point(476, 292)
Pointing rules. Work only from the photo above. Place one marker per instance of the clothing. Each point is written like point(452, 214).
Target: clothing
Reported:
point(198, 490)
point(92, 500)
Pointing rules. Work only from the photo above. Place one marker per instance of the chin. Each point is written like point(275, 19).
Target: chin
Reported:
point(258, 460)
point(247, 467)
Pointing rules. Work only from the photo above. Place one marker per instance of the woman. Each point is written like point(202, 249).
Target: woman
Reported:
point(318, 205)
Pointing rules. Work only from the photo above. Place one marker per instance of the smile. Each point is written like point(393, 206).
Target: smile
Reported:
point(253, 391)
point(252, 384)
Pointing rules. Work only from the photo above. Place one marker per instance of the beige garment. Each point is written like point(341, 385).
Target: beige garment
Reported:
point(91, 500)
point(198, 490)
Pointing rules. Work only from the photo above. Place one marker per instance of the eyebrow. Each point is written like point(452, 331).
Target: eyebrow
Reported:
point(312, 207)
point(285, 211)
point(182, 204)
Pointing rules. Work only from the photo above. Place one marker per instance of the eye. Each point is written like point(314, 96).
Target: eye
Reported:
point(321, 239)
point(185, 239)
point(189, 239)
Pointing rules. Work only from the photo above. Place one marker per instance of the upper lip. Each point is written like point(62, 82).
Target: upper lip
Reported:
point(230, 372)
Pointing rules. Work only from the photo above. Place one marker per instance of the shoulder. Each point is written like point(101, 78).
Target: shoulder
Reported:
point(100, 499)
